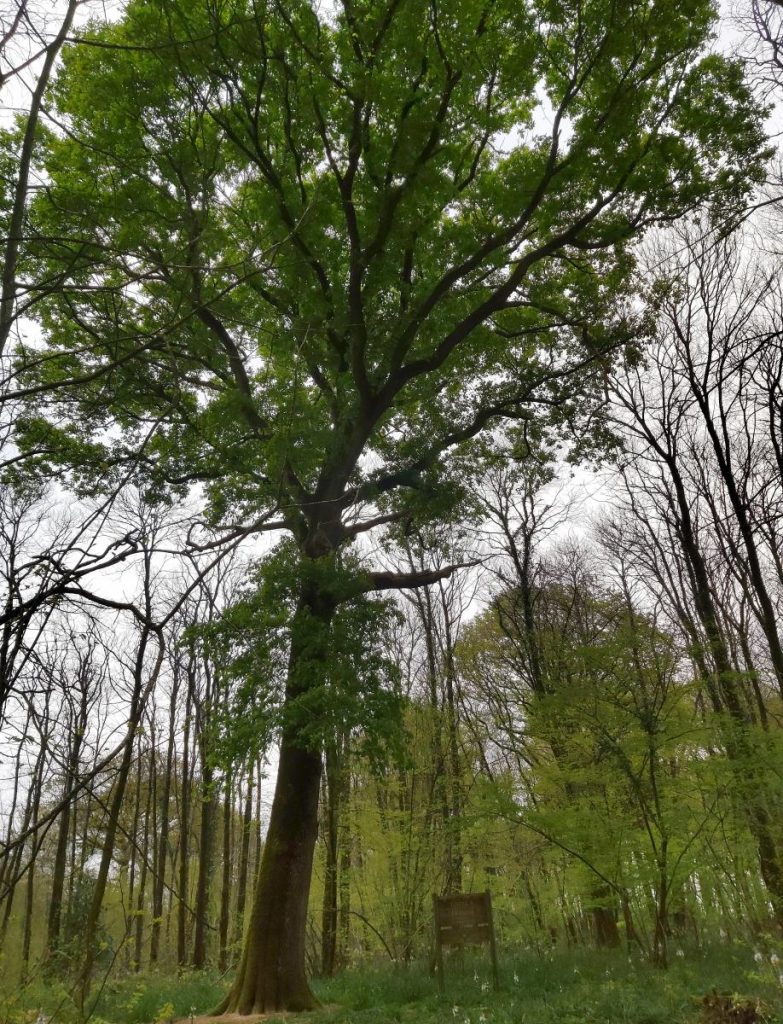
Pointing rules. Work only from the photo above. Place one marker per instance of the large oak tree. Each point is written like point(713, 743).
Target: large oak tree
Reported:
point(309, 256)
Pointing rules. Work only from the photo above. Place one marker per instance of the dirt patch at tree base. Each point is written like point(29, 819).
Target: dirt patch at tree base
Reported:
point(253, 1018)
point(235, 1018)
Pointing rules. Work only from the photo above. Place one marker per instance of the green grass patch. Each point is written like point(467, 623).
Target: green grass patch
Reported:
point(149, 998)
point(564, 988)
point(570, 987)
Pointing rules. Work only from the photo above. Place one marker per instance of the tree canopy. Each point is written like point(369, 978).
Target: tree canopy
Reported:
point(307, 257)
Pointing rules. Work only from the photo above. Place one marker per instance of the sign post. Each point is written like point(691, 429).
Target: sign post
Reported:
point(464, 920)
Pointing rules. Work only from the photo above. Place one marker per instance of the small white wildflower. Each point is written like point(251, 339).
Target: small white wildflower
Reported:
point(466, 1020)
point(576, 970)
point(774, 959)
point(516, 978)
point(758, 957)
point(475, 975)
point(454, 1011)
point(680, 953)
point(485, 986)
point(482, 1018)
point(722, 933)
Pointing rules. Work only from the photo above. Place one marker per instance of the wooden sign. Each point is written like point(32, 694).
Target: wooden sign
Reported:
point(464, 920)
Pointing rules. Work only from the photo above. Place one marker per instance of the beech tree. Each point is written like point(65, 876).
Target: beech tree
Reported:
point(309, 256)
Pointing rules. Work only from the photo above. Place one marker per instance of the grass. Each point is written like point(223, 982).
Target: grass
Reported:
point(569, 987)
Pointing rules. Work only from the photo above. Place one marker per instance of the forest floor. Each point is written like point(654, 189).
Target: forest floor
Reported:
point(569, 987)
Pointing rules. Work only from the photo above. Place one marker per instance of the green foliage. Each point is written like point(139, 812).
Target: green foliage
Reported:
point(344, 679)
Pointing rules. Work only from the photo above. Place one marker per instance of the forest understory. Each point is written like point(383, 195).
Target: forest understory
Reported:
point(714, 984)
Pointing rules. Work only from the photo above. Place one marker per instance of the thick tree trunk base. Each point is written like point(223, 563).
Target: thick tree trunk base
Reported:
point(271, 975)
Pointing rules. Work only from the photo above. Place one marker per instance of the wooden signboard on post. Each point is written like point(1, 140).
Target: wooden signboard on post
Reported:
point(464, 920)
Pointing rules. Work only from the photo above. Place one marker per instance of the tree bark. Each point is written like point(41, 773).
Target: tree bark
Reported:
point(34, 849)
point(225, 891)
point(139, 920)
point(331, 817)
point(184, 831)
point(244, 857)
point(163, 835)
point(206, 844)
point(271, 973)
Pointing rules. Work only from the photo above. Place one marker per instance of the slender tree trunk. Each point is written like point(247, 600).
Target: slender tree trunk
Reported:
point(163, 833)
point(259, 839)
point(184, 834)
point(134, 852)
point(225, 889)
point(346, 839)
point(21, 184)
point(30, 888)
point(331, 820)
point(145, 848)
point(206, 846)
point(244, 857)
point(10, 858)
point(455, 773)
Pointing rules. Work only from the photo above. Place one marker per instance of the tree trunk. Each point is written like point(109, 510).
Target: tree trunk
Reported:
point(206, 844)
point(134, 853)
point(225, 893)
point(8, 864)
point(244, 857)
point(604, 918)
point(34, 849)
point(145, 848)
point(184, 834)
point(344, 938)
point(163, 836)
point(330, 828)
point(271, 974)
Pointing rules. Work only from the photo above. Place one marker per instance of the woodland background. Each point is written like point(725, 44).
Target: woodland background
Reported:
point(586, 718)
